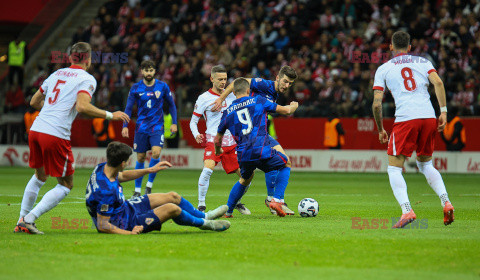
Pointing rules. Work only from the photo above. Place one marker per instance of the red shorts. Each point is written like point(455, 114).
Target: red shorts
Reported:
point(414, 135)
point(52, 153)
point(228, 157)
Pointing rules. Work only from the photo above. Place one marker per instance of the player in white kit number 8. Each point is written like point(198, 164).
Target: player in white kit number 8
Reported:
point(407, 77)
point(62, 95)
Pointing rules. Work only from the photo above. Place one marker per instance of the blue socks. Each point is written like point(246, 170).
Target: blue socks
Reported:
point(235, 195)
point(188, 207)
point(282, 182)
point(151, 176)
point(138, 181)
point(186, 219)
point(270, 179)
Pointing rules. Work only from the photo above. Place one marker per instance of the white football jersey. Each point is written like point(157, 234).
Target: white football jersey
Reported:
point(407, 78)
point(203, 107)
point(60, 90)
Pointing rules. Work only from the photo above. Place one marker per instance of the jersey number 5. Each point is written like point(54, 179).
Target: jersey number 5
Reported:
point(407, 76)
point(244, 117)
point(56, 90)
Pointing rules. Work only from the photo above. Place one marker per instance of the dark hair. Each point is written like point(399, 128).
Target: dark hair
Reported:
point(147, 64)
point(288, 71)
point(400, 40)
point(240, 85)
point(80, 52)
point(218, 69)
point(117, 153)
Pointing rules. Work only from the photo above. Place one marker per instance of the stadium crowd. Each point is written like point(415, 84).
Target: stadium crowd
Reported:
point(331, 44)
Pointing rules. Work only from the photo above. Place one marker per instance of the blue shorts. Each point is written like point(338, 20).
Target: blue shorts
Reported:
point(142, 215)
point(276, 162)
point(144, 142)
point(273, 142)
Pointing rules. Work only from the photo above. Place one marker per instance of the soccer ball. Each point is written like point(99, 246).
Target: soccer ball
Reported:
point(308, 207)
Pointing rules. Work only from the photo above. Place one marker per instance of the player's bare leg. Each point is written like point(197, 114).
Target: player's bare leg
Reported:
point(48, 202)
point(399, 187)
point(434, 179)
point(156, 151)
point(31, 193)
point(138, 182)
point(240, 206)
point(204, 183)
point(285, 208)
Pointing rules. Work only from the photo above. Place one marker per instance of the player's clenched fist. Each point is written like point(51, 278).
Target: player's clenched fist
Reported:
point(383, 137)
point(137, 229)
point(294, 104)
point(125, 132)
point(120, 116)
point(199, 138)
point(442, 121)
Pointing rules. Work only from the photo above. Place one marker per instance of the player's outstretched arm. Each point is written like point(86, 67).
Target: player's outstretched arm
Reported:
point(129, 175)
point(37, 100)
point(104, 225)
point(287, 110)
point(442, 100)
point(85, 107)
point(217, 105)
point(377, 114)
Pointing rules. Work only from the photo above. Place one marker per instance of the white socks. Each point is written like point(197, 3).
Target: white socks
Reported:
point(399, 187)
point(434, 179)
point(30, 195)
point(149, 184)
point(48, 202)
point(203, 183)
point(139, 190)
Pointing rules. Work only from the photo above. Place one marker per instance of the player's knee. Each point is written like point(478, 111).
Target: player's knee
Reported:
point(41, 176)
point(155, 154)
point(141, 157)
point(175, 197)
point(173, 209)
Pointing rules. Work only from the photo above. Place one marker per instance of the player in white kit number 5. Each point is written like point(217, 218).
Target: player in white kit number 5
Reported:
point(407, 77)
point(62, 95)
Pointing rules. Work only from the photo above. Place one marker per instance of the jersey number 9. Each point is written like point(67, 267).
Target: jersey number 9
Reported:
point(244, 118)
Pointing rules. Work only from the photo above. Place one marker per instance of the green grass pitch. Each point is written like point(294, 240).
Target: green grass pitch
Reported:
point(260, 246)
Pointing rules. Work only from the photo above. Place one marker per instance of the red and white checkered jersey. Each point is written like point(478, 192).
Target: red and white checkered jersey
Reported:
point(407, 78)
point(60, 90)
point(203, 107)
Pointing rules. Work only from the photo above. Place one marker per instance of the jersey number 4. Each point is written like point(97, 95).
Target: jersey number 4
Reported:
point(408, 80)
point(55, 90)
point(244, 118)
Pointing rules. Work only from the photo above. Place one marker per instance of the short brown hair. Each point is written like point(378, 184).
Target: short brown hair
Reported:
point(80, 52)
point(218, 69)
point(288, 71)
point(240, 86)
point(117, 153)
point(400, 40)
point(147, 64)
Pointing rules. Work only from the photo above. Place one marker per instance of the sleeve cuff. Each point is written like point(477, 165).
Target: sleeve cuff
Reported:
point(378, 88)
point(197, 114)
point(84, 91)
point(431, 70)
point(41, 90)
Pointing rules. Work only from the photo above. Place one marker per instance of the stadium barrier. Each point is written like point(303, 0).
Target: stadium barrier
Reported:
point(372, 161)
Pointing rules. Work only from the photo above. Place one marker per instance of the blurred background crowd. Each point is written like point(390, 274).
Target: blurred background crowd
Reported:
point(330, 43)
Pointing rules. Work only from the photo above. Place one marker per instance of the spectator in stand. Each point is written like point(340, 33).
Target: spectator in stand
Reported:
point(15, 100)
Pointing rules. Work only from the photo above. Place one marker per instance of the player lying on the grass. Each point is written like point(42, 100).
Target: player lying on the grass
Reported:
point(62, 95)
point(271, 91)
point(112, 214)
point(415, 126)
point(150, 95)
point(210, 159)
point(246, 119)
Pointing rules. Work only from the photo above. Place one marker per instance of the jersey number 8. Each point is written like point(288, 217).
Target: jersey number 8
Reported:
point(244, 118)
point(407, 76)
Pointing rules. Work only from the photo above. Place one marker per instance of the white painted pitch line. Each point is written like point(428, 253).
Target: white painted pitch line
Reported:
point(68, 202)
